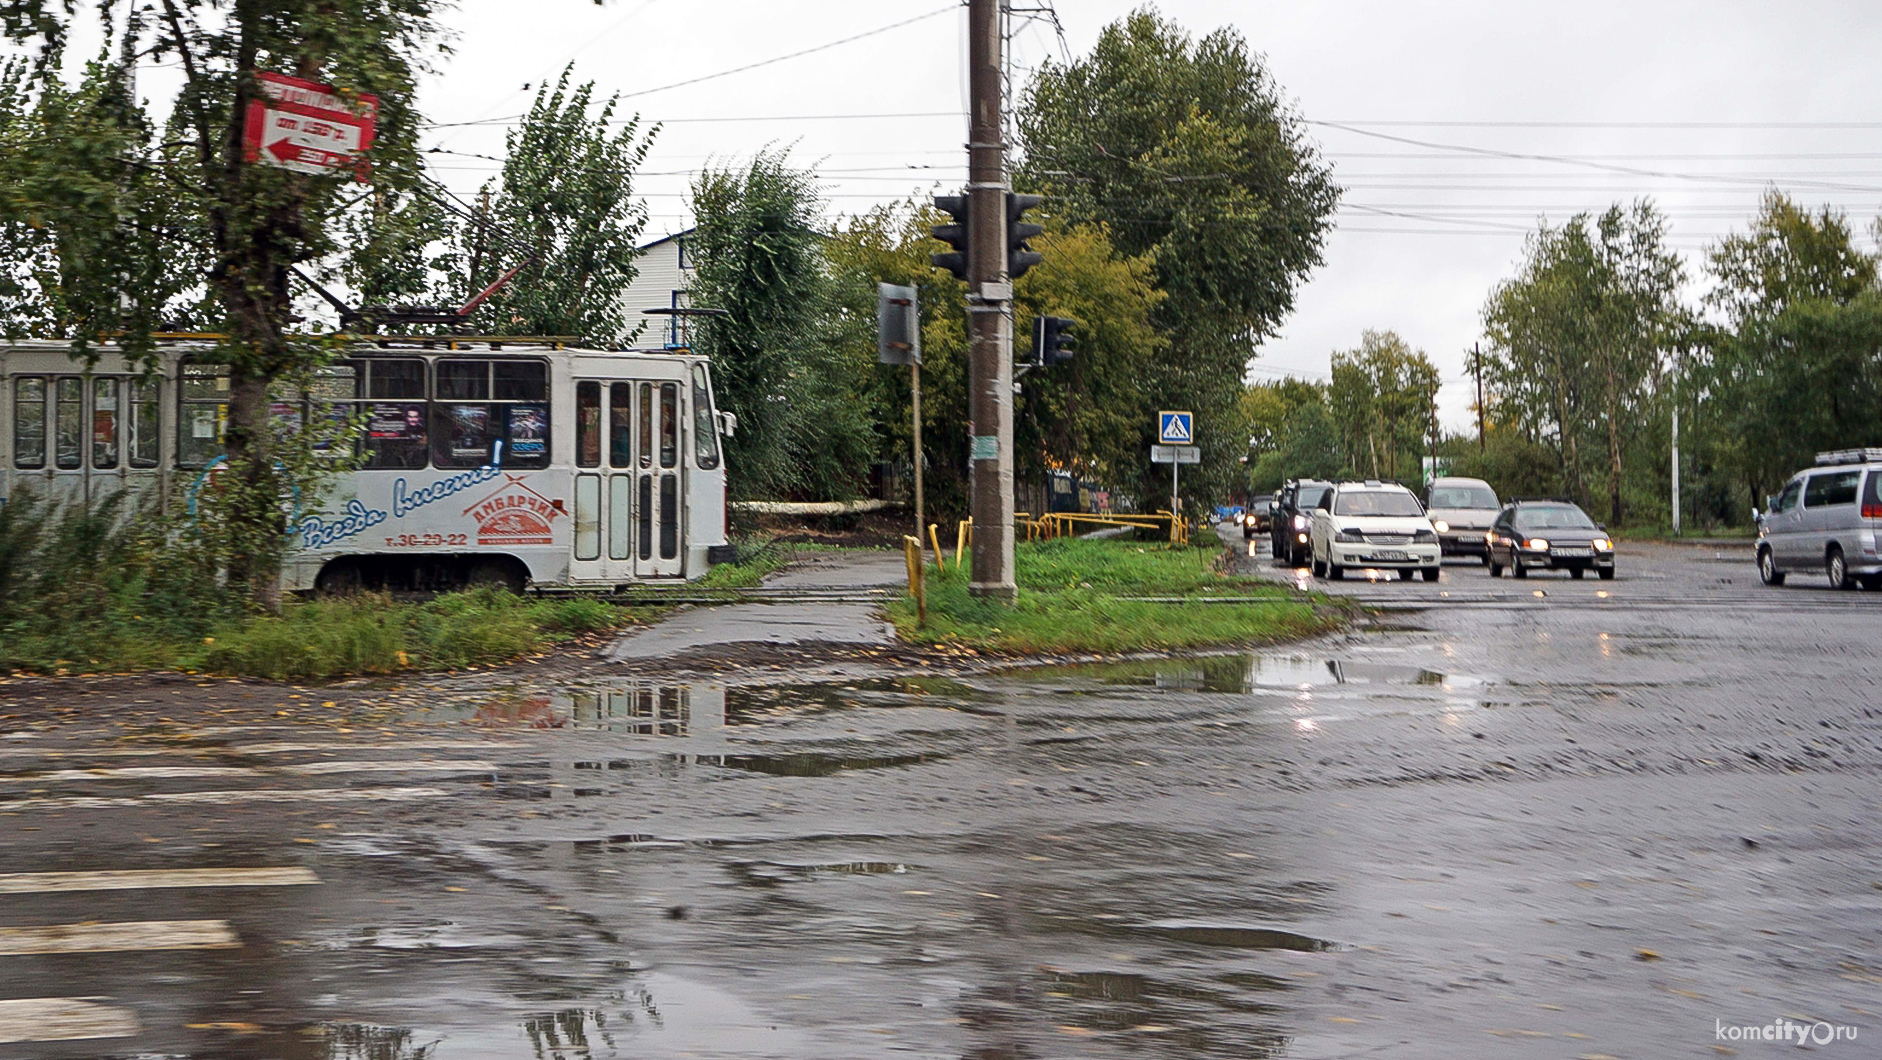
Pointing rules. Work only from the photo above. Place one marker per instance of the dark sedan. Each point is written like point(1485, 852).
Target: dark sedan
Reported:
point(1548, 535)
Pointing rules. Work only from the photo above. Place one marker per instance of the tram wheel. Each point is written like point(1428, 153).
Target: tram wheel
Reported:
point(341, 577)
point(498, 572)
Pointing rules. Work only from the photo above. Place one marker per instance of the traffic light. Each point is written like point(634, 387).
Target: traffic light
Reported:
point(954, 235)
point(1020, 257)
point(1052, 341)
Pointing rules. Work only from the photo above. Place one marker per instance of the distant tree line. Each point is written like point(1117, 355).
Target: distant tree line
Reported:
point(1592, 346)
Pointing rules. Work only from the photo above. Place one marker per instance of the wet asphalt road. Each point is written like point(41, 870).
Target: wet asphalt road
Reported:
point(1488, 824)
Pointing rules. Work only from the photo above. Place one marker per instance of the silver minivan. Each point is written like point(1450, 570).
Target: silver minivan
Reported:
point(1826, 519)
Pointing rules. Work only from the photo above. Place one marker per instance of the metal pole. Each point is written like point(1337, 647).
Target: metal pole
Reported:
point(915, 390)
point(989, 296)
point(1676, 469)
point(1476, 369)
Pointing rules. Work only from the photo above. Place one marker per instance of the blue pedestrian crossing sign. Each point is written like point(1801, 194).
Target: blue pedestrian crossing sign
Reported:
point(1175, 428)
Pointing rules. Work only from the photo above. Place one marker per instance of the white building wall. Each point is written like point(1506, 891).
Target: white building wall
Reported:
point(659, 277)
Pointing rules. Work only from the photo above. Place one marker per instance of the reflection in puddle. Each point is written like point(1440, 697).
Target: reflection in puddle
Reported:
point(1251, 938)
point(1250, 673)
point(814, 764)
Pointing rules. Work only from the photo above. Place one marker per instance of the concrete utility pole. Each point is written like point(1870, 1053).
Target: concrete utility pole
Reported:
point(1676, 468)
point(1476, 369)
point(989, 305)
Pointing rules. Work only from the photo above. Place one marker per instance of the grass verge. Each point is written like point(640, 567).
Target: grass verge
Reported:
point(1077, 595)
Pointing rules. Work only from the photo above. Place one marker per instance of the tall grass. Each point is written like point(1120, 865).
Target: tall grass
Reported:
point(97, 589)
point(86, 587)
point(1074, 596)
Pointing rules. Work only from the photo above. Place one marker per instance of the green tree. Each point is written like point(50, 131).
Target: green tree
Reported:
point(1795, 366)
point(1383, 399)
point(566, 201)
point(256, 220)
point(1292, 434)
point(803, 429)
point(1087, 416)
point(1185, 149)
point(1584, 337)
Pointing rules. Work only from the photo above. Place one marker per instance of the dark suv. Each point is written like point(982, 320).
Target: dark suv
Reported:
point(1548, 534)
point(1290, 532)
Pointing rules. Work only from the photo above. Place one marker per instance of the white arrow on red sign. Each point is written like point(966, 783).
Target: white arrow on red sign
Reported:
point(308, 127)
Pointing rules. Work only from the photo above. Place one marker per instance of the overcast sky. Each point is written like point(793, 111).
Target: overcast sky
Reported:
point(1698, 105)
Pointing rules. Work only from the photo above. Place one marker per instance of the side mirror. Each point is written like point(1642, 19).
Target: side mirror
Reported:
point(728, 424)
point(1754, 514)
point(1770, 502)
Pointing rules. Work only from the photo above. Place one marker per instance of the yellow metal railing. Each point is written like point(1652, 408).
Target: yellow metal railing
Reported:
point(1061, 524)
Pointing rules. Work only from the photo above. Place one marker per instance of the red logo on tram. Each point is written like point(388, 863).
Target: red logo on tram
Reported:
point(515, 515)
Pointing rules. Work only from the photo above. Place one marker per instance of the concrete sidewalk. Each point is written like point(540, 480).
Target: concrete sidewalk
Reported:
point(787, 621)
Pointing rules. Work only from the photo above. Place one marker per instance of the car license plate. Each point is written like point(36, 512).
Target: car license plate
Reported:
point(1390, 555)
point(1574, 552)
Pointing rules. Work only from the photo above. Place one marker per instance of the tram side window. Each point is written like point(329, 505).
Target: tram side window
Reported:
point(392, 399)
point(141, 430)
point(29, 422)
point(68, 422)
point(669, 424)
point(104, 423)
point(588, 424)
point(204, 392)
point(479, 403)
point(705, 430)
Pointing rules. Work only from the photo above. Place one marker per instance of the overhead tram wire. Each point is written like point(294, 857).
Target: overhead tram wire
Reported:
point(1570, 160)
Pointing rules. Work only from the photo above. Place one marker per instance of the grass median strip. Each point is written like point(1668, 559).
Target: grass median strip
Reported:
point(1113, 595)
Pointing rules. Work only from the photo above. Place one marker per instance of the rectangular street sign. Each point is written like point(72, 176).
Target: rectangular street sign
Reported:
point(307, 127)
point(1176, 428)
point(1175, 454)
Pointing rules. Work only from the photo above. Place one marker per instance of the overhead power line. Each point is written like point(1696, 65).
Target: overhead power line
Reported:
point(793, 55)
point(1571, 161)
point(1618, 124)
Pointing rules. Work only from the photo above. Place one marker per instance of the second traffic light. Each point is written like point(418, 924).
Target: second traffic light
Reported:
point(1052, 341)
point(954, 235)
point(1019, 256)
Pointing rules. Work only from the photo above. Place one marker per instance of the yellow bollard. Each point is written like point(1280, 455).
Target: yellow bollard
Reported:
point(911, 551)
point(961, 533)
point(934, 539)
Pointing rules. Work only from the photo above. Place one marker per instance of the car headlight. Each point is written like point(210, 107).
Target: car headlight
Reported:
point(1300, 522)
point(1537, 544)
point(1440, 525)
point(1602, 544)
point(1351, 537)
point(1425, 537)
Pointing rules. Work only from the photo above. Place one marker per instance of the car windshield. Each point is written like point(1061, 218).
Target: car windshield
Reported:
point(1565, 517)
point(1377, 502)
point(1309, 497)
point(1463, 497)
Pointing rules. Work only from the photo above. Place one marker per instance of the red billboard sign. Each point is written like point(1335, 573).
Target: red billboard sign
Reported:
point(308, 127)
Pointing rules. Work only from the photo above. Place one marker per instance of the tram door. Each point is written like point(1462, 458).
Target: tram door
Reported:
point(627, 479)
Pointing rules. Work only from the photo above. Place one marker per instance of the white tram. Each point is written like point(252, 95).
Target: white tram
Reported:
point(513, 461)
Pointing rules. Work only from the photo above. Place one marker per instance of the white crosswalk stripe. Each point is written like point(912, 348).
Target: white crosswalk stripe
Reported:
point(308, 769)
point(63, 1019)
point(250, 749)
point(138, 935)
point(221, 798)
point(153, 879)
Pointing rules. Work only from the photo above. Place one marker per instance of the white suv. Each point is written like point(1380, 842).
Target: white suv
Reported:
point(1376, 526)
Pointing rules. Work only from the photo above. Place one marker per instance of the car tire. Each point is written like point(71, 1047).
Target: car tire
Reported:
point(1319, 569)
point(1431, 575)
point(1496, 569)
point(1335, 572)
point(1517, 570)
point(1486, 557)
point(1577, 573)
point(1871, 582)
point(1767, 568)
point(1837, 568)
point(1607, 574)
point(1405, 574)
